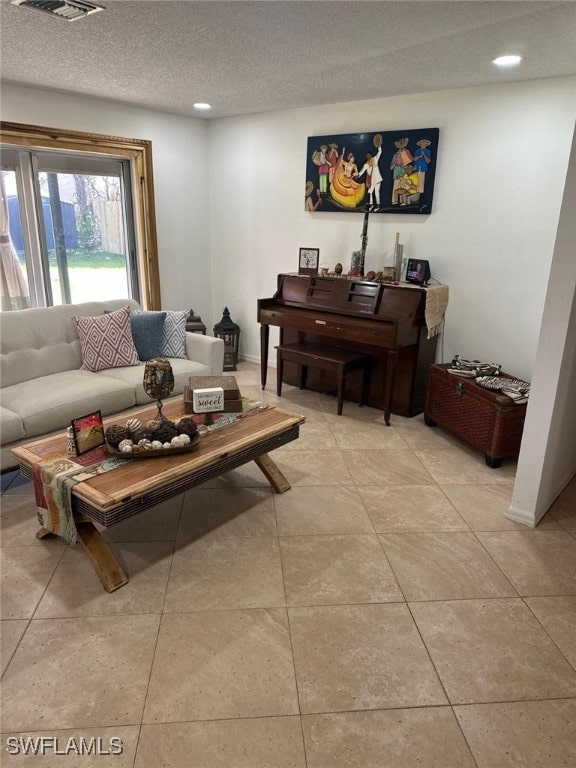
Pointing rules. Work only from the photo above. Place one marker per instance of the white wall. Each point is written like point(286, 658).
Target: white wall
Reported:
point(548, 453)
point(179, 151)
point(230, 216)
point(501, 166)
point(502, 158)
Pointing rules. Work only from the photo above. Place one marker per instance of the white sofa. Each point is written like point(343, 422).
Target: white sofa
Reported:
point(42, 386)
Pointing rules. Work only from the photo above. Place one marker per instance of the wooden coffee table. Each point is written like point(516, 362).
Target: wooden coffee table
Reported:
point(114, 496)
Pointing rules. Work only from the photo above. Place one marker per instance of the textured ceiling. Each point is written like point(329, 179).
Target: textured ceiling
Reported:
point(245, 57)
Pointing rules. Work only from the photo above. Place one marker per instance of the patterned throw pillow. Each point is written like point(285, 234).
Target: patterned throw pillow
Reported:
point(106, 341)
point(174, 340)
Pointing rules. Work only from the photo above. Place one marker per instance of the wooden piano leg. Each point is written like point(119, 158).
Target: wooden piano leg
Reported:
point(279, 372)
point(362, 397)
point(264, 340)
point(340, 393)
point(391, 363)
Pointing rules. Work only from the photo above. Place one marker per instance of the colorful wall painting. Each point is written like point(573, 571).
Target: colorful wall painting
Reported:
point(383, 172)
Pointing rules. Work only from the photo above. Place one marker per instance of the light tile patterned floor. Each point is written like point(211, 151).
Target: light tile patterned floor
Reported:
point(384, 606)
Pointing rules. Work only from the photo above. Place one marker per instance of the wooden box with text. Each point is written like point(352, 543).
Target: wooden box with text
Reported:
point(232, 396)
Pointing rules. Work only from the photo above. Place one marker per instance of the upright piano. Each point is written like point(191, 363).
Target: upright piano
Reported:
point(382, 320)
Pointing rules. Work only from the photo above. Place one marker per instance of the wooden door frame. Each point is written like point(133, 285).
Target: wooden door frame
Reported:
point(139, 151)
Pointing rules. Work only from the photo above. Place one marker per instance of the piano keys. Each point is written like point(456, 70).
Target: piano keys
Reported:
point(382, 320)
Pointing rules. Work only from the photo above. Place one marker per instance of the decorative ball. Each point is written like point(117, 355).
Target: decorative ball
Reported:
point(156, 444)
point(144, 444)
point(127, 448)
point(184, 439)
point(187, 426)
point(167, 445)
point(114, 434)
point(153, 424)
point(133, 425)
point(142, 434)
point(125, 444)
point(165, 432)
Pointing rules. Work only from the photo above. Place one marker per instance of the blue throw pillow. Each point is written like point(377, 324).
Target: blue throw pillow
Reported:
point(174, 341)
point(148, 333)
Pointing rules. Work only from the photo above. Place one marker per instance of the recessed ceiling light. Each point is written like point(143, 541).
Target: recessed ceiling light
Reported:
point(507, 61)
point(202, 105)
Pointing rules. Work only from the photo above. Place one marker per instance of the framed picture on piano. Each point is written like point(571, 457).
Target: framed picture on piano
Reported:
point(308, 261)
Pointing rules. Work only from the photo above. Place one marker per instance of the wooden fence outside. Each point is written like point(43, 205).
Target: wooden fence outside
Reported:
point(112, 226)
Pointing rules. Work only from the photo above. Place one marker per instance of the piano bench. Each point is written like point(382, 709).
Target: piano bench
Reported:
point(338, 361)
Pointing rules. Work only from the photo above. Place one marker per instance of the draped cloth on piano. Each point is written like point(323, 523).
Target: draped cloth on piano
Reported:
point(436, 303)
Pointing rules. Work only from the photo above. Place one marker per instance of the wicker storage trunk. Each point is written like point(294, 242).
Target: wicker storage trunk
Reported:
point(485, 419)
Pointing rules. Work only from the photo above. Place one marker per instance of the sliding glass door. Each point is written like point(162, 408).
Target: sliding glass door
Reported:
point(14, 289)
point(70, 221)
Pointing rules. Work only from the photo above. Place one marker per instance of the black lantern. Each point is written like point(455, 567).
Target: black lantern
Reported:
point(194, 323)
point(228, 330)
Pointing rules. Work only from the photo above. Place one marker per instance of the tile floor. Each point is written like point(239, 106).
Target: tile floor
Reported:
point(383, 612)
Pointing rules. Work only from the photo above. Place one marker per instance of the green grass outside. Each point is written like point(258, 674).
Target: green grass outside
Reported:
point(88, 260)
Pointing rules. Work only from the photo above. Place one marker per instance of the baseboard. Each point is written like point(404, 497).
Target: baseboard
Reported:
point(256, 359)
point(532, 519)
point(521, 516)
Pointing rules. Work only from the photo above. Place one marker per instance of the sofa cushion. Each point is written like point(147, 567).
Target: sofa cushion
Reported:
point(174, 341)
point(49, 402)
point(106, 340)
point(148, 333)
point(134, 377)
point(43, 340)
point(11, 427)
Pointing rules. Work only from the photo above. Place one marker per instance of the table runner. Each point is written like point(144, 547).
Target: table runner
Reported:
point(55, 478)
point(53, 483)
point(223, 419)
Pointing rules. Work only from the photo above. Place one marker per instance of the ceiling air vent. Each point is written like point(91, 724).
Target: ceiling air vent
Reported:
point(65, 9)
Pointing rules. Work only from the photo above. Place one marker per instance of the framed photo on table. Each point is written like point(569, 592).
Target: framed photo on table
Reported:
point(308, 261)
point(88, 432)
